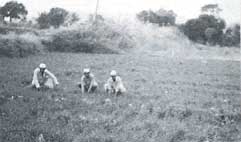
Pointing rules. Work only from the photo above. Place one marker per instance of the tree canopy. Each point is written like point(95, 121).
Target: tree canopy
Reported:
point(161, 17)
point(13, 10)
point(212, 9)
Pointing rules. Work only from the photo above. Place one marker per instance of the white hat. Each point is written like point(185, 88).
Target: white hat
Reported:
point(42, 66)
point(86, 70)
point(113, 73)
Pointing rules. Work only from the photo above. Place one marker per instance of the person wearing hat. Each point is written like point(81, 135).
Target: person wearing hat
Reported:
point(88, 82)
point(42, 77)
point(114, 84)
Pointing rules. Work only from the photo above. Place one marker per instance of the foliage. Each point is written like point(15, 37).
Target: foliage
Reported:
point(106, 37)
point(161, 17)
point(206, 28)
point(232, 36)
point(236, 33)
point(43, 21)
point(56, 17)
point(210, 34)
point(71, 41)
point(212, 9)
point(14, 10)
point(13, 45)
point(71, 18)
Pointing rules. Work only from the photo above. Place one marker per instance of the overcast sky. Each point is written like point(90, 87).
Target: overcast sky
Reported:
point(185, 9)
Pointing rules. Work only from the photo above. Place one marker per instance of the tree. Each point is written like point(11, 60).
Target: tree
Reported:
point(71, 18)
point(236, 33)
point(143, 16)
point(206, 28)
point(211, 9)
point(232, 36)
point(1, 16)
point(13, 10)
point(57, 16)
point(43, 20)
point(210, 34)
point(166, 17)
point(161, 17)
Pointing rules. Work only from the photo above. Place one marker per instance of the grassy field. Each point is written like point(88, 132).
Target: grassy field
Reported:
point(168, 100)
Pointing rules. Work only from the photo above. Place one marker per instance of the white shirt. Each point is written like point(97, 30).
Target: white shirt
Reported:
point(115, 84)
point(88, 81)
point(37, 76)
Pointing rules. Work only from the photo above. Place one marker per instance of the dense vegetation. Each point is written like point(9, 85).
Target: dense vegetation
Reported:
point(206, 28)
point(210, 29)
point(63, 31)
point(161, 17)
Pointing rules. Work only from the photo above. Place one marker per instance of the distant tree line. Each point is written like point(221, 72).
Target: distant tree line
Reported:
point(161, 17)
point(208, 28)
point(56, 17)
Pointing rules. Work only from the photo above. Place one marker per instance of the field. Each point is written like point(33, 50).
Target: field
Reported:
point(168, 100)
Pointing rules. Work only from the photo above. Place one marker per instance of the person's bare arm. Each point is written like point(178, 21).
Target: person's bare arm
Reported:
point(91, 83)
point(35, 78)
point(53, 77)
point(82, 85)
point(119, 83)
point(89, 89)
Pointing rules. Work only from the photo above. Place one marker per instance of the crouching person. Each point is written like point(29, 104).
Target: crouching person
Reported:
point(114, 84)
point(88, 83)
point(42, 77)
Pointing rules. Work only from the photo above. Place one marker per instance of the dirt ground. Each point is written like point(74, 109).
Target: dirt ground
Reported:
point(168, 100)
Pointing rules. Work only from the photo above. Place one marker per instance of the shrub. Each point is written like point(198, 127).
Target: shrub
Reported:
point(106, 37)
point(71, 41)
point(13, 45)
point(17, 28)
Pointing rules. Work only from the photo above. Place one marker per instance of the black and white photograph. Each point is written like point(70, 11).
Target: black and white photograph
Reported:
point(120, 71)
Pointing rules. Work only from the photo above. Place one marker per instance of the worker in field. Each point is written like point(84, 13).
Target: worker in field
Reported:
point(42, 77)
point(114, 84)
point(88, 83)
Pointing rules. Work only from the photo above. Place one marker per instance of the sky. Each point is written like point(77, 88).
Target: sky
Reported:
point(185, 9)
